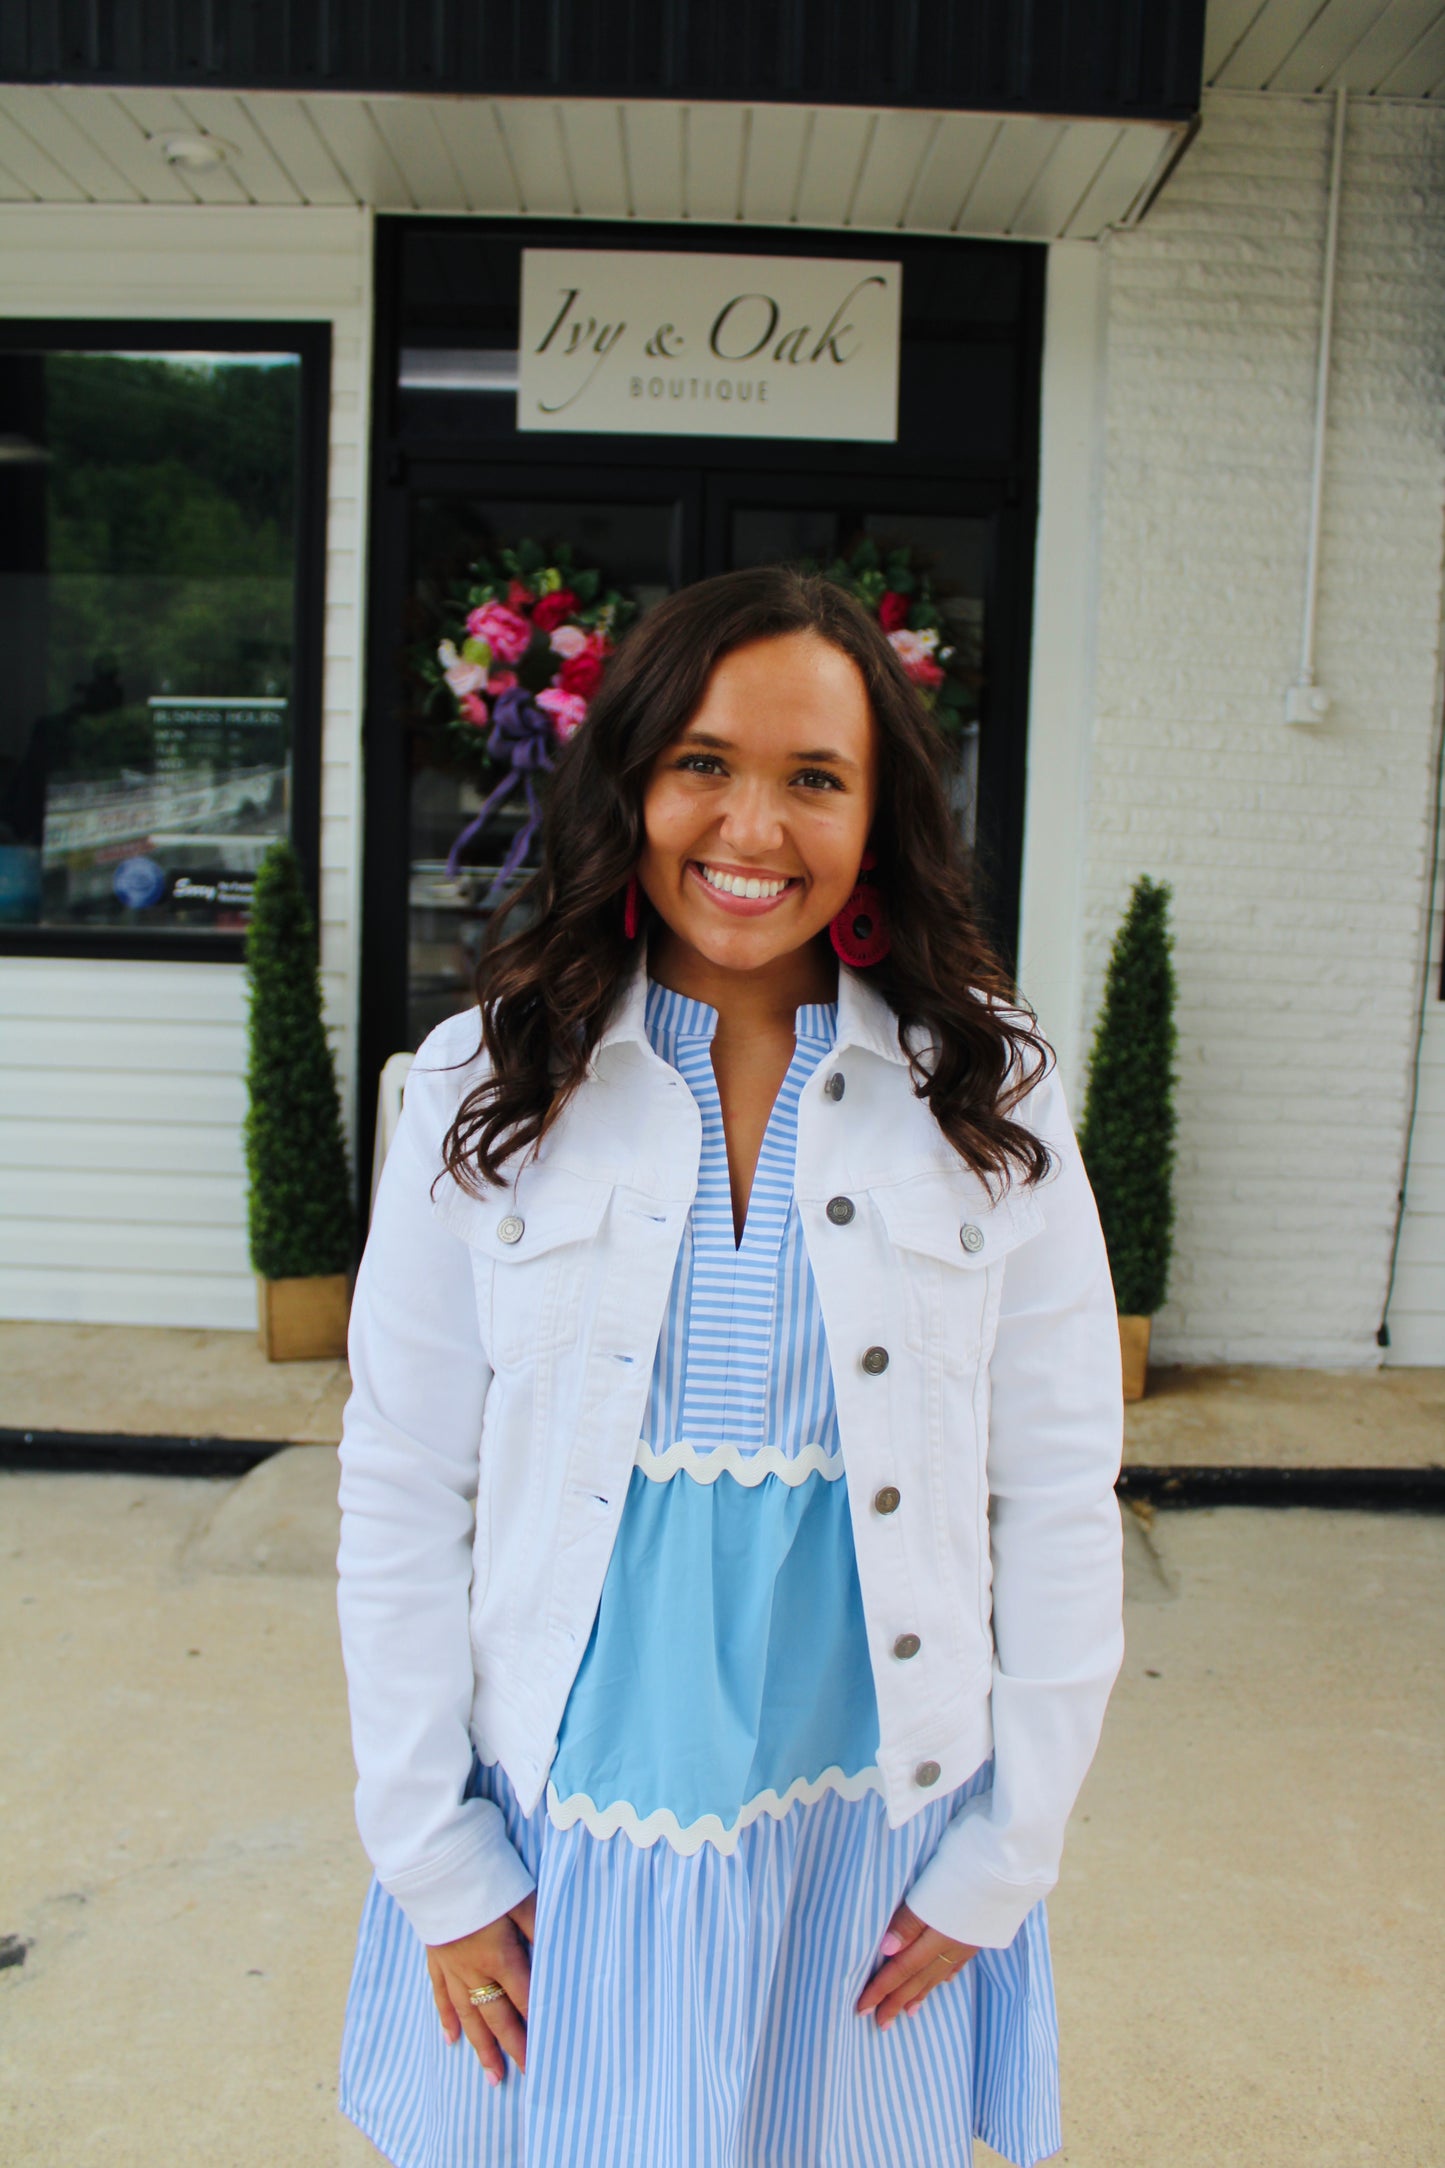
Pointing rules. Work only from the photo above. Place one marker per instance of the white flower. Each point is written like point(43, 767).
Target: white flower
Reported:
point(567, 640)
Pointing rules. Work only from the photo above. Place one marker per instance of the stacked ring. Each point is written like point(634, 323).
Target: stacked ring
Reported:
point(489, 1991)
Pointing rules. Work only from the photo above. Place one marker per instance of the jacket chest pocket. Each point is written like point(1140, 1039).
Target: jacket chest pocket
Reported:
point(950, 1233)
point(531, 1260)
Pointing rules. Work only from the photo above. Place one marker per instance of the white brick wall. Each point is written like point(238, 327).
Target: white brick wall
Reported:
point(122, 1187)
point(1297, 856)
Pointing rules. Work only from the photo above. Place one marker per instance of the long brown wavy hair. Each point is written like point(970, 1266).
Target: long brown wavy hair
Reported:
point(546, 991)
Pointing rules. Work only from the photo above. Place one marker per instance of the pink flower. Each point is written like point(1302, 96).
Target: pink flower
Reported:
point(501, 681)
point(519, 596)
point(893, 611)
point(474, 708)
point(915, 651)
point(466, 677)
point(568, 640)
point(567, 710)
point(506, 634)
point(926, 673)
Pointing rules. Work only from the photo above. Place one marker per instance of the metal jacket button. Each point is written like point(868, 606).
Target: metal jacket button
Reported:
point(510, 1229)
point(927, 1772)
point(886, 1500)
point(840, 1210)
point(875, 1361)
point(907, 1645)
point(834, 1086)
point(970, 1236)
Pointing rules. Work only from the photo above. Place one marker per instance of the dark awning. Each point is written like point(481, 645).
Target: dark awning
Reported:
point(1105, 59)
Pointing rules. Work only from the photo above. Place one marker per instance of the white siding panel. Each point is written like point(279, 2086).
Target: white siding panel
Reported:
point(348, 128)
point(953, 164)
point(43, 116)
point(113, 1071)
point(592, 134)
point(88, 1295)
point(154, 1197)
point(1325, 47)
point(286, 124)
point(1418, 73)
point(223, 114)
point(1225, 23)
point(1127, 170)
point(897, 156)
point(33, 167)
point(836, 148)
point(654, 159)
point(1396, 27)
point(533, 132)
point(1269, 40)
point(713, 161)
point(130, 1148)
point(471, 132)
point(158, 113)
point(1016, 159)
point(1073, 166)
point(418, 151)
point(102, 1094)
point(776, 147)
point(123, 144)
point(12, 190)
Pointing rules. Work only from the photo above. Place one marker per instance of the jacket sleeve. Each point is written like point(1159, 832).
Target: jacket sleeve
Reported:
point(409, 1462)
point(1056, 1546)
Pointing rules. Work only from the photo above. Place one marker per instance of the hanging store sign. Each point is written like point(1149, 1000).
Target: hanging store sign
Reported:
point(715, 346)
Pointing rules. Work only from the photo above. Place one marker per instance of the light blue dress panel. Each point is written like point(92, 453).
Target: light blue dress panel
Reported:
point(714, 1865)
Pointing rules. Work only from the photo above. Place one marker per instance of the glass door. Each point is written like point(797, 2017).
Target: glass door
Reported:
point(634, 535)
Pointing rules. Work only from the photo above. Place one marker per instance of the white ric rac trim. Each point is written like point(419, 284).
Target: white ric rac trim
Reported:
point(662, 1825)
point(705, 1465)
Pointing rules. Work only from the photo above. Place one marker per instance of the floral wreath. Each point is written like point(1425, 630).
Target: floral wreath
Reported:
point(521, 654)
point(893, 588)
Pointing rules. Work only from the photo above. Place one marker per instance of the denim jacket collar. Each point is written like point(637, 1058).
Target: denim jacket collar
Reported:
point(864, 1017)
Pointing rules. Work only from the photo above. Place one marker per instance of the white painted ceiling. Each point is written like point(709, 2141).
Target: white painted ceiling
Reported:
point(876, 171)
point(880, 171)
point(1381, 48)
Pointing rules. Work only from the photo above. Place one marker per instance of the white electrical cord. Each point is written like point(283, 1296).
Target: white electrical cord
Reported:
point(1305, 702)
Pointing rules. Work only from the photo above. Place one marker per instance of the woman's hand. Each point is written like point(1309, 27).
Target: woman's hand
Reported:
point(916, 1960)
point(501, 1953)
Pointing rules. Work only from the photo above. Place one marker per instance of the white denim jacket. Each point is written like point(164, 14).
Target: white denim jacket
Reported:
point(501, 1353)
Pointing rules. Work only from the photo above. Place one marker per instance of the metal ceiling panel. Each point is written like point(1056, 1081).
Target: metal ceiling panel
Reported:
point(835, 167)
point(1418, 73)
point(1270, 39)
point(1327, 45)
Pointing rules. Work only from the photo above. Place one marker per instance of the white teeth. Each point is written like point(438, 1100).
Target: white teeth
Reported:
point(737, 884)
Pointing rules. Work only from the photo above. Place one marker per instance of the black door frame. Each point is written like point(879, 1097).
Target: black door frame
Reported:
point(997, 479)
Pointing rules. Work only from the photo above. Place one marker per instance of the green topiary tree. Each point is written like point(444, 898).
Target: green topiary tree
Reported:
point(300, 1212)
point(1127, 1133)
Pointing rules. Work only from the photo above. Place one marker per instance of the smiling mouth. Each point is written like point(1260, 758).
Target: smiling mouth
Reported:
point(750, 887)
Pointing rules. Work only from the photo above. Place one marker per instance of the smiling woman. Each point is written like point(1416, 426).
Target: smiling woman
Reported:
point(730, 1565)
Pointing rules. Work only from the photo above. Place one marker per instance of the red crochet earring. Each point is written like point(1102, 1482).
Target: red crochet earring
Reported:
point(859, 933)
point(630, 907)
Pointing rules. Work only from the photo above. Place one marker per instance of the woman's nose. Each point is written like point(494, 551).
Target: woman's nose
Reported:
point(751, 819)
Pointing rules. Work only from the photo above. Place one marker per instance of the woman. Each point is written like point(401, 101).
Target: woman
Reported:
point(730, 1565)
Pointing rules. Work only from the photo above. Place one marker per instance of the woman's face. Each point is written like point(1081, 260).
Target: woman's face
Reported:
point(757, 815)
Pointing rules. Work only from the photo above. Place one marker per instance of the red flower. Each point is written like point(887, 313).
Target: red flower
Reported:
point(554, 610)
point(581, 673)
point(925, 671)
point(893, 611)
point(519, 596)
point(473, 708)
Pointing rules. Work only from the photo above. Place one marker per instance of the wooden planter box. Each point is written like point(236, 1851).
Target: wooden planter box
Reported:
point(1134, 1353)
point(304, 1320)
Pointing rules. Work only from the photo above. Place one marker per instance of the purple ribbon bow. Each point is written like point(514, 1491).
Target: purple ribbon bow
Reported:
point(521, 734)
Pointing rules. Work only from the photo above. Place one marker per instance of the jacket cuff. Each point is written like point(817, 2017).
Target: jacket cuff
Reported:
point(472, 1885)
point(958, 1896)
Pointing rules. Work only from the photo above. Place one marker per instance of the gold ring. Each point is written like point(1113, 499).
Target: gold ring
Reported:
point(489, 1991)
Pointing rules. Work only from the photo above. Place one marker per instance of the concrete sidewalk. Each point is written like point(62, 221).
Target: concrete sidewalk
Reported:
point(150, 1381)
point(1246, 1934)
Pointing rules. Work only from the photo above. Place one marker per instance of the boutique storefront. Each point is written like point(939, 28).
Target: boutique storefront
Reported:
point(347, 414)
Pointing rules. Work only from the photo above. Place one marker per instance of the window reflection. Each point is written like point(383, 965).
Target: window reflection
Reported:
point(147, 601)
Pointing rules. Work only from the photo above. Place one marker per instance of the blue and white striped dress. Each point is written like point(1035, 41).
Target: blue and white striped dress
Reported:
point(714, 1865)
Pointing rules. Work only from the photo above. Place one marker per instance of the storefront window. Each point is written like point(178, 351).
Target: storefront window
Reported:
point(150, 523)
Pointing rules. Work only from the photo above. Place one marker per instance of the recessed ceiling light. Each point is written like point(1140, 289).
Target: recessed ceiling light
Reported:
point(198, 153)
